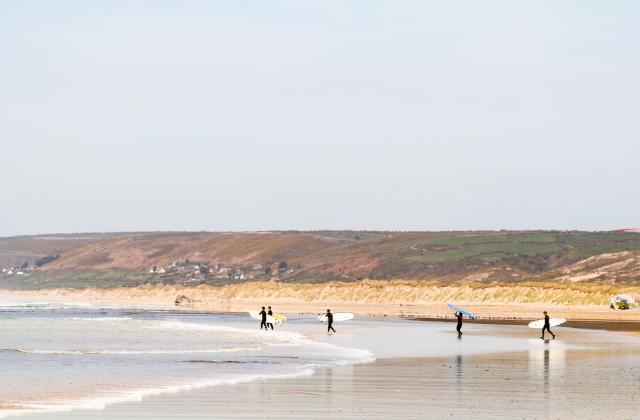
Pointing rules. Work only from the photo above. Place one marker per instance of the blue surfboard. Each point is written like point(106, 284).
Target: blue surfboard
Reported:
point(455, 308)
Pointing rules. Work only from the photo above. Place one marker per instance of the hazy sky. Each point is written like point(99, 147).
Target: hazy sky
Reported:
point(251, 115)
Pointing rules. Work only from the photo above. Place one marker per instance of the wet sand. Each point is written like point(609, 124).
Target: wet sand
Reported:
point(495, 387)
point(594, 324)
point(423, 371)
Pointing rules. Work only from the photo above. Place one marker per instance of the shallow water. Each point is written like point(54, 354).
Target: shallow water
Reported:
point(58, 358)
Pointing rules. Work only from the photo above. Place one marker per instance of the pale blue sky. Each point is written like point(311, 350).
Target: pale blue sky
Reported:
point(251, 115)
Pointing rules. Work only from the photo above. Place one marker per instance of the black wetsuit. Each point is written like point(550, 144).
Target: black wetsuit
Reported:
point(547, 327)
point(459, 327)
point(269, 324)
point(263, 323)
point(330, 319)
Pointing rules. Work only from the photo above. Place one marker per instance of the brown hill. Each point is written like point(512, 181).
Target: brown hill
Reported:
point(141, 252)
point(15, 251)
point(347, 256)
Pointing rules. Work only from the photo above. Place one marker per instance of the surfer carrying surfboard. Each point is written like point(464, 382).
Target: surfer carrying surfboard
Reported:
point(459, 327)
point(263, 322)
point(270, 313)
point(458, 314)
point(329, 316)
point(547, 326)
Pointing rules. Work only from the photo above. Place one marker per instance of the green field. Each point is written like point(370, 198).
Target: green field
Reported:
point(570, 245)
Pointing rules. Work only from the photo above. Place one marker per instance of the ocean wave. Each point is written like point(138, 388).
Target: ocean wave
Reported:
point(55, 305)
point(136, 395)
point(348, 355)
point(196, 327)
point(44, 305)
point(227, 362)
point(23, 305)
point(103, 319)
point(132, 352)
point(304, 360)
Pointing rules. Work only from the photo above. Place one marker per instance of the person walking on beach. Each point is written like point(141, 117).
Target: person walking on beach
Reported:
point(547, 326)
point(263, 322)
point(270, 313)
point(329, 316)
point(459, 327)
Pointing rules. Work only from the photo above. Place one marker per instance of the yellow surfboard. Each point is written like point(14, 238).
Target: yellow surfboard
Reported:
point(279, 317)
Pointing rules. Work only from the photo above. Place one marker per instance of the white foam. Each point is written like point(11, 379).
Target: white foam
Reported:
point(192, 326)
point(104, 319)
point(24, 304)
point(132, 352)
point(136, 395)
point(46, 305)
point(53, 305)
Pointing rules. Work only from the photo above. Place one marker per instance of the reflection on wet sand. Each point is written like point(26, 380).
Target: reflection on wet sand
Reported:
point(546, 359)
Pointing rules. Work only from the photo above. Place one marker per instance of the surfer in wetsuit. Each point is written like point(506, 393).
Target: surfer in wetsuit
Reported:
point(459, 327)
point(547, 326)
point(329, 316)
point(263, 322)
point(270, 313)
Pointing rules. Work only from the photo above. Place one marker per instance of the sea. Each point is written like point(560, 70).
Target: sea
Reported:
point(57, 357)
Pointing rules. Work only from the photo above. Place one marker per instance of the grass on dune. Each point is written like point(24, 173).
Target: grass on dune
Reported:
point(415, 291)
point(380, 292)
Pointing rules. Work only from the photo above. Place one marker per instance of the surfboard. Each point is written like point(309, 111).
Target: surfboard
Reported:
point(256, 315)
point(455, 308)
point(554, 322)
point(338, 316)
point(279, 317)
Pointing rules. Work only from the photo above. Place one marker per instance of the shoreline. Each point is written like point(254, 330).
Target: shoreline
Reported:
point(622, 326)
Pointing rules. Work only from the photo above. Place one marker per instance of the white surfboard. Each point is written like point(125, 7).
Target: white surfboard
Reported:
point(256, 315)
point(338, 316)
point(554, 322)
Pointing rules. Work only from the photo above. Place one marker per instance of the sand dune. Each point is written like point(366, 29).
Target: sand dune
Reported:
point(396, 297)
point(604, 267)
point(394, 291)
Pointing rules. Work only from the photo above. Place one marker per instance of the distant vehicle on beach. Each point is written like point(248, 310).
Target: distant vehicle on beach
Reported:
point(623, 302)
